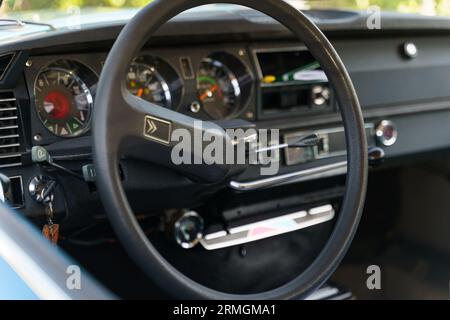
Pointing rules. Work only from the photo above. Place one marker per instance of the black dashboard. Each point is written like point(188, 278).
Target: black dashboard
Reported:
point(207, 82)
point(252, 69)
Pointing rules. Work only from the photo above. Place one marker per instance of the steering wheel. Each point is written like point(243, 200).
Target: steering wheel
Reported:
point(121, 125)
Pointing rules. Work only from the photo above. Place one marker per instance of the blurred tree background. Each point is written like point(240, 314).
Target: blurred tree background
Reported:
point(428, 7)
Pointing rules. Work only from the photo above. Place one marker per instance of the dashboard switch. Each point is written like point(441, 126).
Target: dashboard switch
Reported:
point(41, 156)
point(386, 133)
point(89, 173)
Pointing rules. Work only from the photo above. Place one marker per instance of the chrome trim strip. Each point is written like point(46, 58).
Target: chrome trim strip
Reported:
point(10, 145)
point(268, 228)
point(293, 216)
point(215, 235)
point(16, 164)
point(320, 210)
point(297, 176)
point(8, 100)
point(9, 127)
point(9, 118)
point(10, 155)
point(323, 293)
point(9, 136)
point(8, 109)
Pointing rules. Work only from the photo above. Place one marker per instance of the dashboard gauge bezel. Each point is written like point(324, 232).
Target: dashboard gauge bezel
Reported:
point(236, 70)
point(82, 73)
point(169, 78)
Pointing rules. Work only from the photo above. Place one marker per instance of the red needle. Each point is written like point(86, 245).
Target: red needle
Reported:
point(208, 92)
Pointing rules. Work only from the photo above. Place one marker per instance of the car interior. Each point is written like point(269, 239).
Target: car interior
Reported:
point(360, 103)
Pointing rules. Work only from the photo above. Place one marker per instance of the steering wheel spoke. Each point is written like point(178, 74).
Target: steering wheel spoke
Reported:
point(150, 132)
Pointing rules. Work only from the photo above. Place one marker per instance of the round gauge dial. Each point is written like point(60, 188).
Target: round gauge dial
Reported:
point(218, 89)
point(63, 101)
point(147, 83)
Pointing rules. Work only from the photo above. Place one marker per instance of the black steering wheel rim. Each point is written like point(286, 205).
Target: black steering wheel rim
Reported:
point(109, 119)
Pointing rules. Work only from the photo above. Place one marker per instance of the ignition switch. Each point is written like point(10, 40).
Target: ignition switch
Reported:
point(41, 189)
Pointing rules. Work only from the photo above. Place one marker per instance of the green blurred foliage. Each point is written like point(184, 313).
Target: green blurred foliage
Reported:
point(427, 7)
point(22, 5)
point(430, 7)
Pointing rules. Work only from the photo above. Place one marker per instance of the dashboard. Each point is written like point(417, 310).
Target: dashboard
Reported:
point(255, 72)
point(208, 83)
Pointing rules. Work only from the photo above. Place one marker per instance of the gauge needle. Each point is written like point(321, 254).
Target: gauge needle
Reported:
point(208, 93)
point(140, 92)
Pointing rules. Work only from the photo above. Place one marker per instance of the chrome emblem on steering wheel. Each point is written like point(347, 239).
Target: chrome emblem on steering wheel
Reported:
point(157, 129)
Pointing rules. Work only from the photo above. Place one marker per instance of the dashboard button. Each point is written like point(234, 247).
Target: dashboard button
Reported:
point(386, 133)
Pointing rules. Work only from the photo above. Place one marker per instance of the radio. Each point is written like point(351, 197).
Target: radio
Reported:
point(331, 144)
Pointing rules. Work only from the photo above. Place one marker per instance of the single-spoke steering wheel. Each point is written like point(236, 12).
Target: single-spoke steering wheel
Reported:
point(123, 123)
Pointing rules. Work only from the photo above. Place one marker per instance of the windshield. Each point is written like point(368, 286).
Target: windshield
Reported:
point(62, 12)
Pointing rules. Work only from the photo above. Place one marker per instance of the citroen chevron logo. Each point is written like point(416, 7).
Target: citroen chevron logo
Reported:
point(151, 126)
point(157, 129)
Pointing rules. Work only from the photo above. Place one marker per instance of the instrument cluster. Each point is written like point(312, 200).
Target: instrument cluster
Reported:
point(219, 88)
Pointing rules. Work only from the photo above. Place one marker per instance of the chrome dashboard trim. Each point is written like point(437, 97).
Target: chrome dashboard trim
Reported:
point(324, 171)
point(8, 100)
point(268, 228)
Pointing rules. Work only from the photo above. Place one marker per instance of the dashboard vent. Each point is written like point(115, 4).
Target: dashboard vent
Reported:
point(10, 155)
point(5, 62)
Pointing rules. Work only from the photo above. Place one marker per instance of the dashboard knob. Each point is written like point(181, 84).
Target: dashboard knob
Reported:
point(376, 156)
point(386, 133)
point(320, 95)
point(410, 50)
point(188, 229)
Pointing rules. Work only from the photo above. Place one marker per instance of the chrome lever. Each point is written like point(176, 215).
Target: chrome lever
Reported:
point(304, 141)
point(376, 158)
point(297, 176)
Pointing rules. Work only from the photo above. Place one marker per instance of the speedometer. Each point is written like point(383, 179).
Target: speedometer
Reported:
point(64, 96)
point(63, 101)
